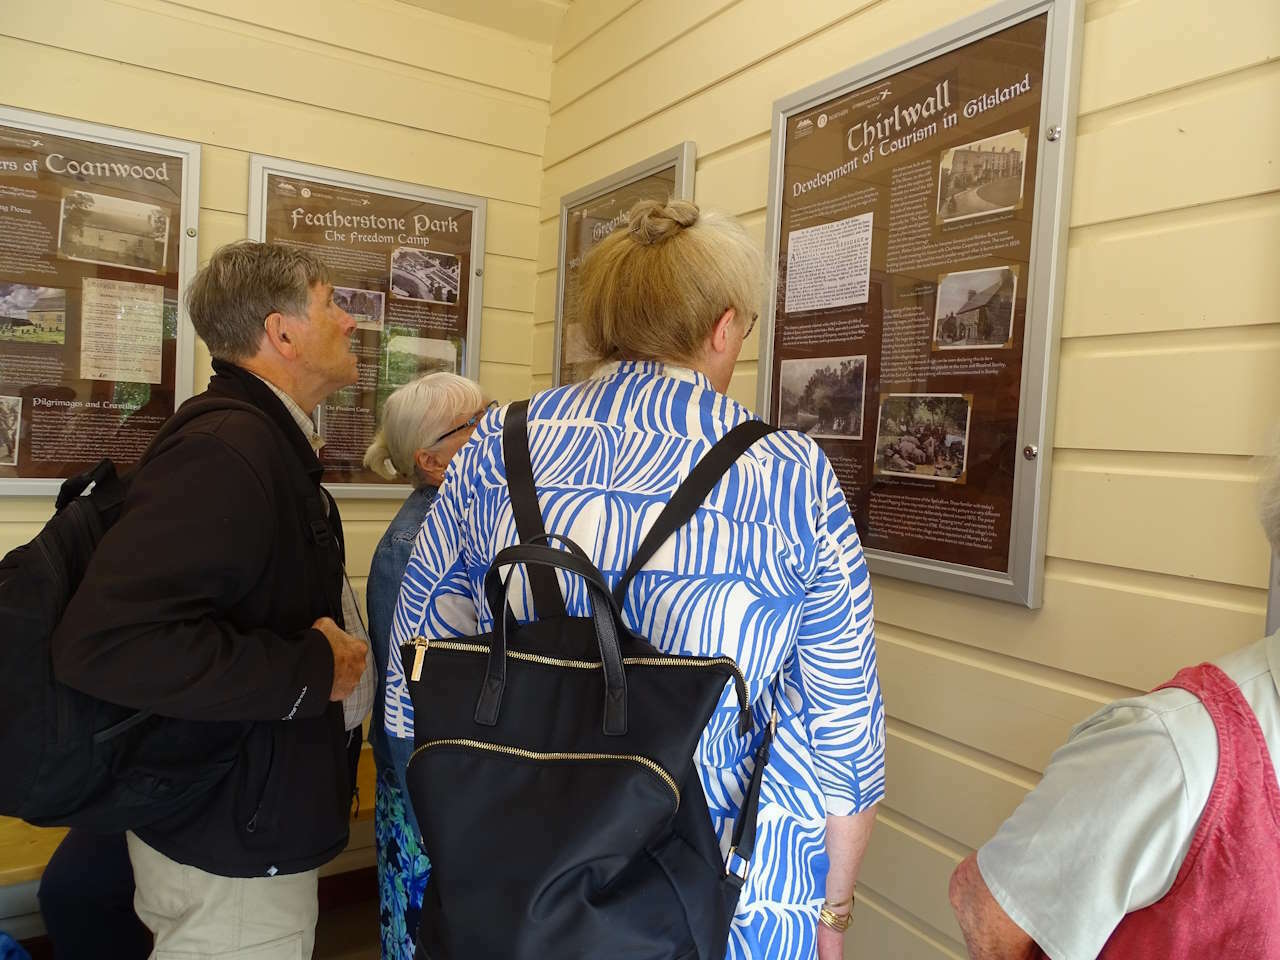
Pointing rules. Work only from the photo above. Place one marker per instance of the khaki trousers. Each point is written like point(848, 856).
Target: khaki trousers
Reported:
point(198, 916)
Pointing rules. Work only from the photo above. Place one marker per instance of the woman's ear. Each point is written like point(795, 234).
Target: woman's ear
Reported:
point(721, 338)
point(429, 466)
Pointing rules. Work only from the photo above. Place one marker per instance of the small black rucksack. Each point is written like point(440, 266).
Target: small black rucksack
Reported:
point(553, 773)
point(71, 759)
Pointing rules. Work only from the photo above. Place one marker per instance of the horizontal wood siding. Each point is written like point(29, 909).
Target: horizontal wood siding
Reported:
point(1168, 383)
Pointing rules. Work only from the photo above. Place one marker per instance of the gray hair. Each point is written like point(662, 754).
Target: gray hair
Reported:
point(1269, 500)
point(414, 416)
point(242, 284)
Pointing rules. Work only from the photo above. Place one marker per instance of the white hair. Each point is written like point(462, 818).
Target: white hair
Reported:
point(1269, 499)
point(413, 419)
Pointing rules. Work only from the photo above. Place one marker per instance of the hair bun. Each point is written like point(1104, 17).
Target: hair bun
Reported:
point(653, 222)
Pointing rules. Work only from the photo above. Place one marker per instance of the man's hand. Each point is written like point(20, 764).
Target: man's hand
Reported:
point(348, 657)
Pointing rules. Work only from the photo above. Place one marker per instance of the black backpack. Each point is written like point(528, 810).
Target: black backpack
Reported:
point(69, 758)
point(553, 773)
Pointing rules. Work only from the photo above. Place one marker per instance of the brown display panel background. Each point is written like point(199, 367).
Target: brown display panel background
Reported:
point(67, 423)
point(361, 259)
point(912, 247)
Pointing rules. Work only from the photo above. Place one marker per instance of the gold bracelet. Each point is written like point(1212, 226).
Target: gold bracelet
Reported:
point(839, 922)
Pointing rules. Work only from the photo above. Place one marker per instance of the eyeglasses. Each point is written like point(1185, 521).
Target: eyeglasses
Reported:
point(464, 426)
point(751, 326)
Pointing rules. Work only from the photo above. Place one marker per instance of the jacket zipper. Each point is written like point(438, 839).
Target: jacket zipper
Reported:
point(252, 825)
point(635, 758)
point(421, 645)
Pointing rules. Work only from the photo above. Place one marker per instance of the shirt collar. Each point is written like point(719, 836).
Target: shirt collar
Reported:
point(300, 416)
point(654, 368)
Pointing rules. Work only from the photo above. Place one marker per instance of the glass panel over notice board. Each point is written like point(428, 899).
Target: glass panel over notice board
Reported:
point(589, 215)
point(97, 244)
point(407, 264)
point(917, 230)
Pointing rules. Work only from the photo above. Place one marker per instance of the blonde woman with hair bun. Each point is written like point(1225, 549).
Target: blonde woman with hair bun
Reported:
point(769, 572)
point(424, 424)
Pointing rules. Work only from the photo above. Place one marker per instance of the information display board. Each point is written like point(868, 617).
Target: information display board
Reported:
point(589, 215)
point(917, 228)
point(406, 262)
point(97, 244)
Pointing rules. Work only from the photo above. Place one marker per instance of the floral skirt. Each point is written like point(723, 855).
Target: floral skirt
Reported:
point(403, 870)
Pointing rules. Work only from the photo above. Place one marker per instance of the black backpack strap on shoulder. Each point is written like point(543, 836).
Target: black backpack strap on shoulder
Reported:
point(547, 599)
point(191, 411)
point(738, 862)
point(690, 494)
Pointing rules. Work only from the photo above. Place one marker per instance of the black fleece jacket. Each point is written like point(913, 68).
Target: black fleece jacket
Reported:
point(198, 604)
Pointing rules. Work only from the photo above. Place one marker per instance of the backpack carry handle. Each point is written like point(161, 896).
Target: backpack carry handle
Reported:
point(552, 538)
point(604, 614)
point(72, 487)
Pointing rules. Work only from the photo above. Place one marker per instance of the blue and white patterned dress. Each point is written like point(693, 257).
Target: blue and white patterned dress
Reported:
point(769, 572)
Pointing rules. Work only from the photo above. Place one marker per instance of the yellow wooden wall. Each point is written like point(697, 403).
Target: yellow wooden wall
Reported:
point(374, 86)
point(1170, 373)
point(1171, 350)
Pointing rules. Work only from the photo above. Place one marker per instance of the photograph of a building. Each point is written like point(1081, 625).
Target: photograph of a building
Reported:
point(974, 309)
point(366, 307)
point(98, 228)
point(422, 275)
point(31, 314)
point(823, 396)
point(982, 177)
point(924, 436)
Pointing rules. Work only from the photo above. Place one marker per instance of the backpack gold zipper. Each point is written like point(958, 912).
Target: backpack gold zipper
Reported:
point(454, 646)
point(419, 654)
point(543, 757)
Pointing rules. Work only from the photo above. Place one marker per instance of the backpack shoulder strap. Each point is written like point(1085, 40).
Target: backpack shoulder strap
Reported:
point(109, 487)
point(547, 599)
point(193, 411)
point(690, 494)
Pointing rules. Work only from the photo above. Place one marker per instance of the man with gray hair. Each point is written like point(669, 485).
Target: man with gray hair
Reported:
point(218, 597)
point(1155, 832)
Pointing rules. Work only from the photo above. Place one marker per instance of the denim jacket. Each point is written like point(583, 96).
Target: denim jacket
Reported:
point(385, 574)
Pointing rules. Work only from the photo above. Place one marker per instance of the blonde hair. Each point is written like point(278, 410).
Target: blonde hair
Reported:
point(654, 290)
point(414, 416)
point(1269, 498)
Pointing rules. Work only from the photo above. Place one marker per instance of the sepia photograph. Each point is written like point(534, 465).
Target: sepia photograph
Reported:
point(407, 355)
point(97, 228)
point(823, 396)
point(366, 307)
point(10, 430)
point(974, 309)
point(924, 436)
point(30, 314)
point(982, 177)
point(425, 275)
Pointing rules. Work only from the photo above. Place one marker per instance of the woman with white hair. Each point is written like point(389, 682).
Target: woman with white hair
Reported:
point(424, 423)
